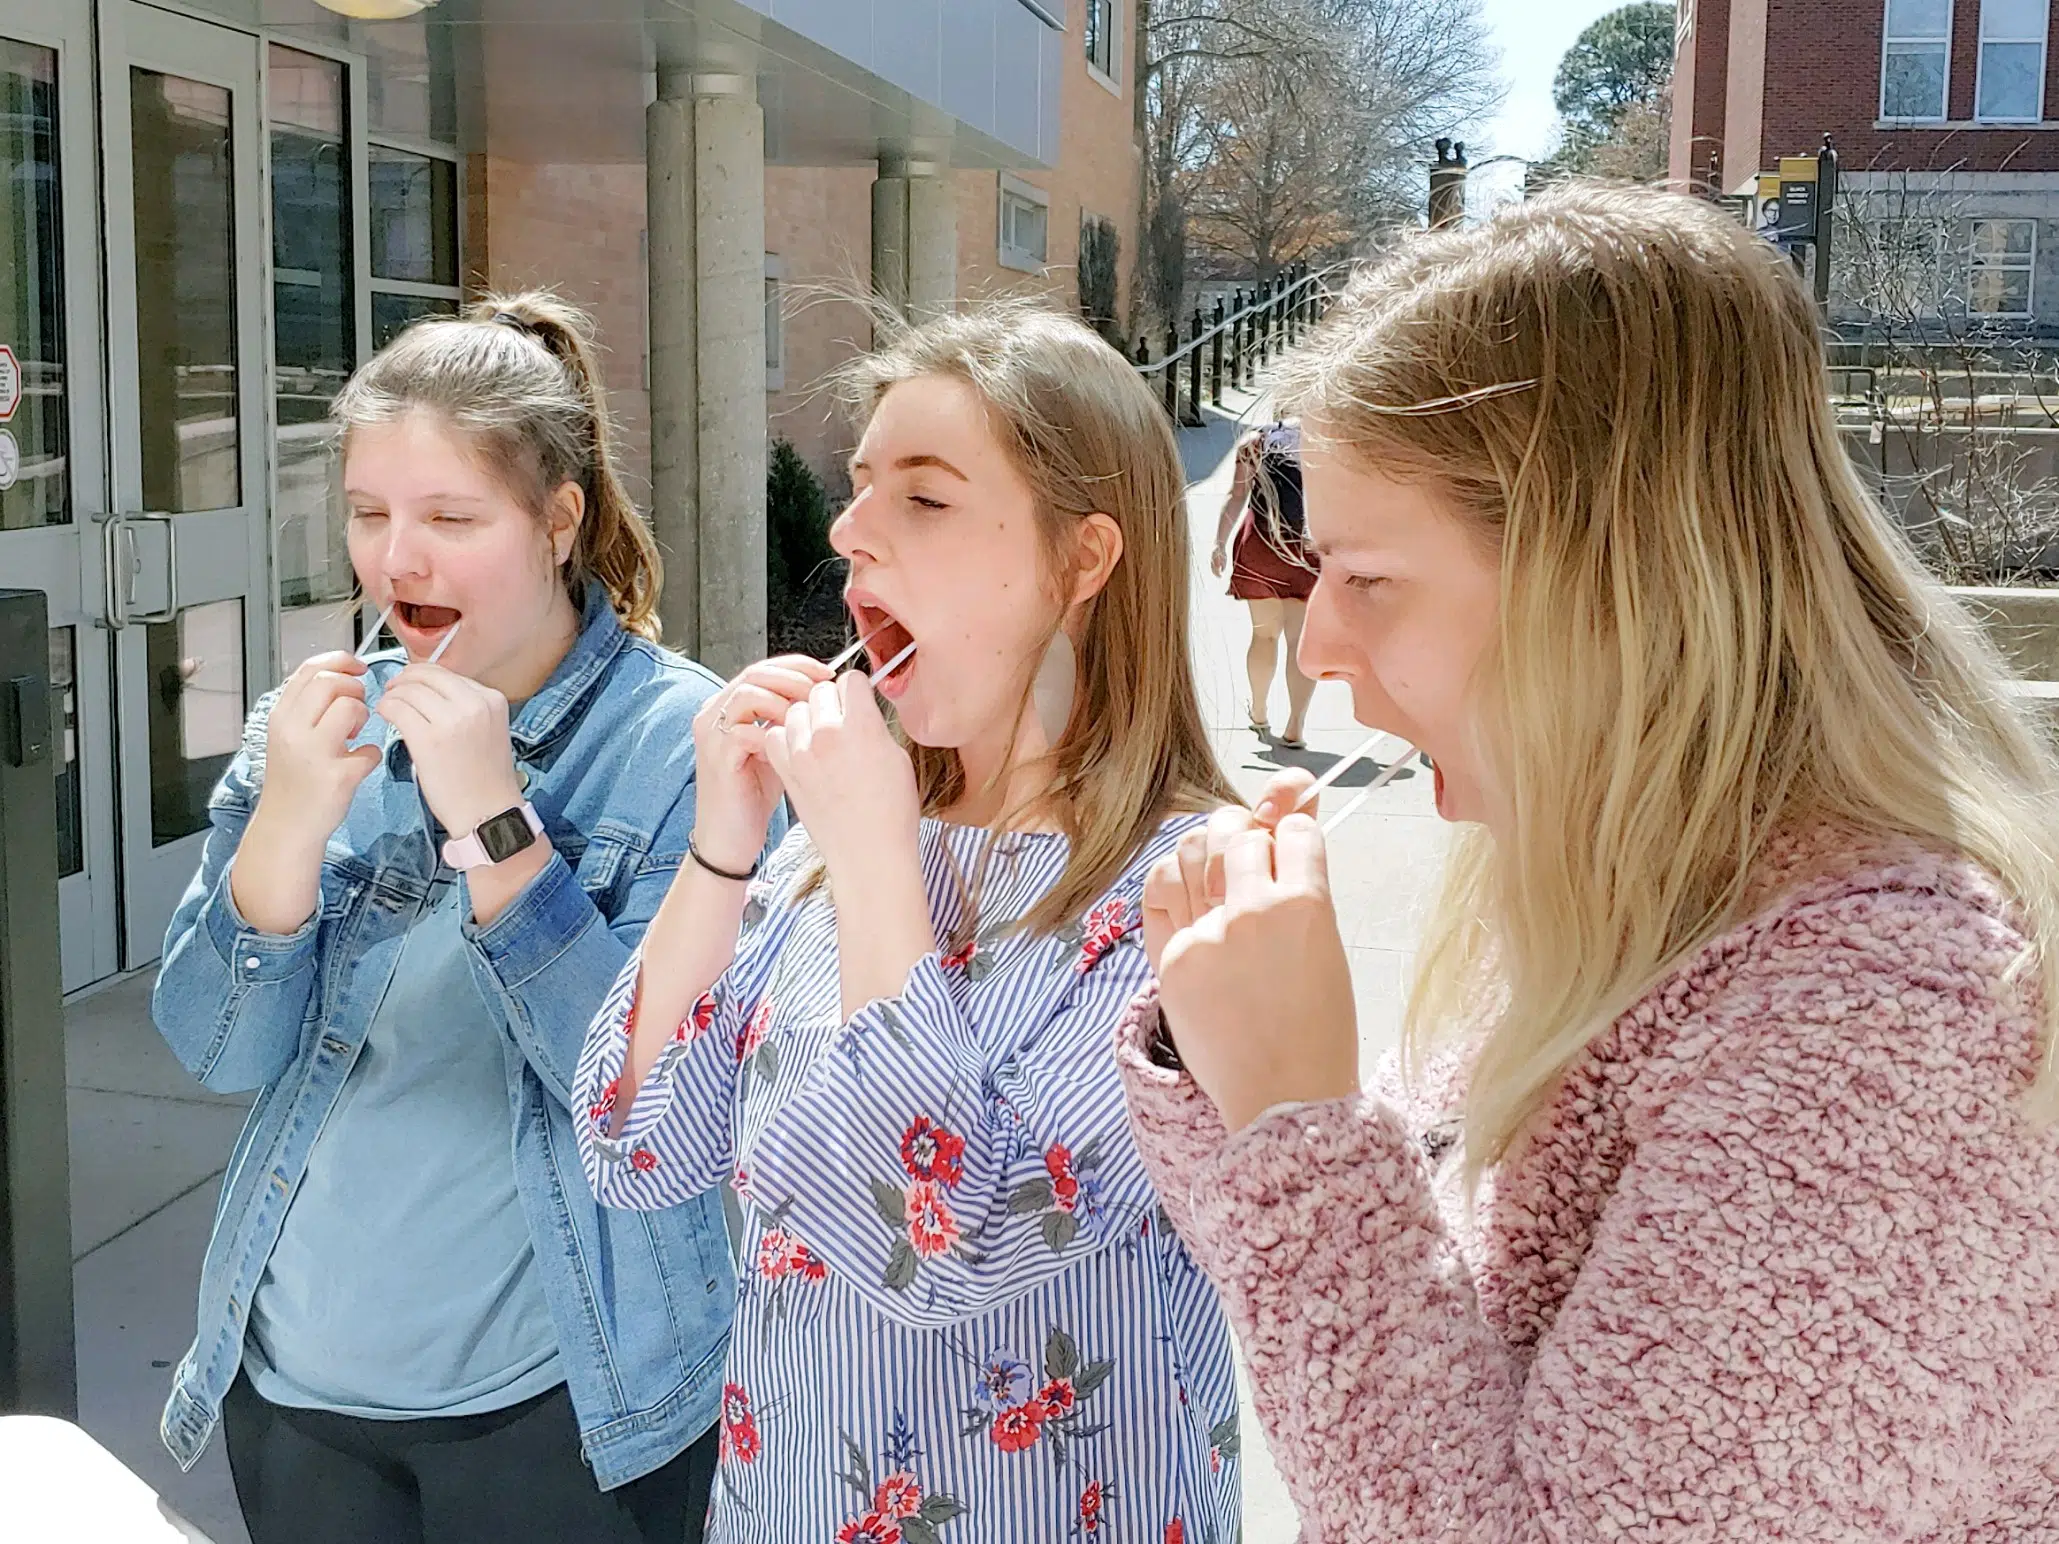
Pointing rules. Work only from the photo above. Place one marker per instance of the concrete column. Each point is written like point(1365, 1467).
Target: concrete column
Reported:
point(915, 237)
point(674, 364)
point(706, 148)
point(729, 210)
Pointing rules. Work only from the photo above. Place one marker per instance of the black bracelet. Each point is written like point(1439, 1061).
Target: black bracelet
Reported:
point(720, 873)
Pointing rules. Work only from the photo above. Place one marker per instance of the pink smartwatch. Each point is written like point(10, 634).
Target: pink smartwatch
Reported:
point(495, 839)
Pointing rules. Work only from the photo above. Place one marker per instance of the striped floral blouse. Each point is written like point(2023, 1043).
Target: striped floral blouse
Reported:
point(961, 1315)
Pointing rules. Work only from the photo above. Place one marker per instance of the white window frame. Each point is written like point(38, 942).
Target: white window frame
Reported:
point(1980, 67)
point(2025, 263)
point(1111, 78)
point(1888, 40)
point(775, 322)
point(1016, 257)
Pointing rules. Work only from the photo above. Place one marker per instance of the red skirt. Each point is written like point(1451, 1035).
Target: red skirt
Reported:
point(1261, 570)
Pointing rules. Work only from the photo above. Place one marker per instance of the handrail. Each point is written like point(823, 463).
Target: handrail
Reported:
point(1298, 286)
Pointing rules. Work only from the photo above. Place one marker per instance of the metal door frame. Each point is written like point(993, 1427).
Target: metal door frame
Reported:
point(64, 560)
point(133, 34)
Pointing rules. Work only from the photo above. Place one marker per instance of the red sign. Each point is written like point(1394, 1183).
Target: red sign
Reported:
point(10, 383)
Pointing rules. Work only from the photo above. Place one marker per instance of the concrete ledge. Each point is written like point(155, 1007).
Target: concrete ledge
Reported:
point(2022, 622)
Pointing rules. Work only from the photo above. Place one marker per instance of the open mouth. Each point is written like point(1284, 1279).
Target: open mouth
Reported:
point(422, 622)
point(886, 640)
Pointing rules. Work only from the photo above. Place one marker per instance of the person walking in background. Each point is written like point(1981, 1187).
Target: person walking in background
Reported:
point(961, 1319)
point(1261, 536)
point(415, 1322)
point(1736, 1027)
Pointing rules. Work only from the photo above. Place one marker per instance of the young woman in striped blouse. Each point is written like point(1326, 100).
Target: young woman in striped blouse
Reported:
point(962, 1313)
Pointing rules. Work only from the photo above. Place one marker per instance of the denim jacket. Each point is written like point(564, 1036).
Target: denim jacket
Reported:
point(641, 1300)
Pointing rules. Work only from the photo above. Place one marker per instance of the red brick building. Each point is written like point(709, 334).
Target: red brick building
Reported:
point(1945, 114)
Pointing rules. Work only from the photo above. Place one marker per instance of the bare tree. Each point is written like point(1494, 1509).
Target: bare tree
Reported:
point(1279, 129)
point(1963, 410)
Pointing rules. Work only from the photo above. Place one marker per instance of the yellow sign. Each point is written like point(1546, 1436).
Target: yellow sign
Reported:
point(1769, 187)
point(1797, 168)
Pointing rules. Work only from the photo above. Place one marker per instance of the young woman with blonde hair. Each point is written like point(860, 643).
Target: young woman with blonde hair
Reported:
point(960, 1318)
point(1722, 1198)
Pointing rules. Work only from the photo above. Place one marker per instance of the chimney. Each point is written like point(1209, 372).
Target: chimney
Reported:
point(1448, 184)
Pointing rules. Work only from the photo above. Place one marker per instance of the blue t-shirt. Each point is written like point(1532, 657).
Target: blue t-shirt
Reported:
point(404, 1283)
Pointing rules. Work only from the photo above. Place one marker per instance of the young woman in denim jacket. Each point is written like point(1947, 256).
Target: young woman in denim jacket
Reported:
point(415, 1321)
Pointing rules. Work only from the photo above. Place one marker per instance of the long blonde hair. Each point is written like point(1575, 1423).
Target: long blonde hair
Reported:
point(1709, 631)
point(1088, 437)
point(517, 380)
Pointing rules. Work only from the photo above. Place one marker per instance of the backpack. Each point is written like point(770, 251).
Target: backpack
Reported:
point(1277, 489)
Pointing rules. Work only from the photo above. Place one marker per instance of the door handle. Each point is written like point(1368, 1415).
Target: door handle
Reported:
point(171, 559)
point(119, 563)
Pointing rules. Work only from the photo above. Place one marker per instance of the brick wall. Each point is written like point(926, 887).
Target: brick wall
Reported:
point(1700, 82)
point(535, 221)
point(819, 221)
point(1822, 73)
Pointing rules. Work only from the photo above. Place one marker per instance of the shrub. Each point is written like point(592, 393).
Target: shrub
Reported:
point(796, 528)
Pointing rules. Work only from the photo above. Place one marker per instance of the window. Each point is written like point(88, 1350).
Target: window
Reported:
point(414, 235)
point(2012, 61)
point(1025, 224)
point(1914, 55)
point(1999, 276)
point(348, 273)
point(775, 322)
point(1100, 31)
point(314, 343)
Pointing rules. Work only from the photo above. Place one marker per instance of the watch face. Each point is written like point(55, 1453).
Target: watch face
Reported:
point(505, 835)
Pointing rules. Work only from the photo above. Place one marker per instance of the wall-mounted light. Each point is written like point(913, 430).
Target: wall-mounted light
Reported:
point(375, 10)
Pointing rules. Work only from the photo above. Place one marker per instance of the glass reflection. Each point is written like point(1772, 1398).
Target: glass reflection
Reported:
point(33, 465)
point(185, 293)
point(195, 707)
point(314, 335)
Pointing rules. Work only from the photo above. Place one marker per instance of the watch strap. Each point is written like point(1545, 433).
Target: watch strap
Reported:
point(469, 851)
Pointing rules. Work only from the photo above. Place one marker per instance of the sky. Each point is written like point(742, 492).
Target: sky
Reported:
point(1532, 36)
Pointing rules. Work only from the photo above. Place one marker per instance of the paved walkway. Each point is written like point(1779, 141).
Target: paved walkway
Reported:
point(148, 1146)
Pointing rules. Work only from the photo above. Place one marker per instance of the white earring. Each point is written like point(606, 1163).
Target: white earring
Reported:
point(1057, 681)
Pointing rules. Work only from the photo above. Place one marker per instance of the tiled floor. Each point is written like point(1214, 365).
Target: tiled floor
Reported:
point(148, 1145)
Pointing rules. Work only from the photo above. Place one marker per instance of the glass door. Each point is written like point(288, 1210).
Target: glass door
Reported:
point(187, 588)
point(53, 475)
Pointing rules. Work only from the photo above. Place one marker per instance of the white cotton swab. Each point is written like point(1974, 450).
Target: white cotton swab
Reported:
point(1351, 759)
point(1393, 770)
point(835, 666)
point(892, 665)
point(371, 640)
point(444, 642)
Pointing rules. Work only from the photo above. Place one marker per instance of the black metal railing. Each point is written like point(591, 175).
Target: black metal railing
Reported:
point(1230, 347)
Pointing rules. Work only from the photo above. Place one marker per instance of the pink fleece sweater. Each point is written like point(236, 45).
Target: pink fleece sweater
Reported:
point(1779, 1260)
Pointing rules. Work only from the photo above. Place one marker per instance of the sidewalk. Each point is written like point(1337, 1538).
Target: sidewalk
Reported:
point(148, 1145)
